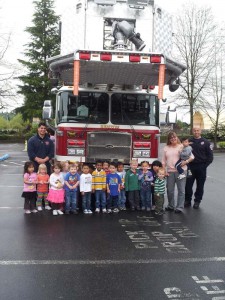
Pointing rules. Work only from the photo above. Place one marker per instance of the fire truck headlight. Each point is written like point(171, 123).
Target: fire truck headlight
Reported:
point(80, 152)
point(146, 153)
point(141, 153)
point(71, 151)
point(75, 151)
point(137, 153)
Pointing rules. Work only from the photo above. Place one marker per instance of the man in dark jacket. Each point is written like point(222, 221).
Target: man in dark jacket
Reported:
point(40, 148)
point(202, 151)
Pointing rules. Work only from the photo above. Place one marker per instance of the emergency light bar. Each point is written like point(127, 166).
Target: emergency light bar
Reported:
point(137, 58)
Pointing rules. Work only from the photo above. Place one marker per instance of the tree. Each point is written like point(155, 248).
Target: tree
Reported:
point(44, 43)
point(212, 103)
point(194, 41)
point(7, 72)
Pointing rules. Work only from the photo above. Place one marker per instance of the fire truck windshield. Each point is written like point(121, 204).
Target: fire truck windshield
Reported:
point(134, 109)
point(94, 108)
point(87, 107)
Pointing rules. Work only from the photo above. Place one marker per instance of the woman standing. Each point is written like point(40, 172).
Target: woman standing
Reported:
point(171, 153)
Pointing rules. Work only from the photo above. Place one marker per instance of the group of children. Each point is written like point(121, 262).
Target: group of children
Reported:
point(108, 184)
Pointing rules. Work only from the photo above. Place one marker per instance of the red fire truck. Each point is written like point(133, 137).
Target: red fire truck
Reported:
point(105, 108)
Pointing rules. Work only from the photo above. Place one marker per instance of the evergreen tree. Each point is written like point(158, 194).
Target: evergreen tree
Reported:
point(44, 43)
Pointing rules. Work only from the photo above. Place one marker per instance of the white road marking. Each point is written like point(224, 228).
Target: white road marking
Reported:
point(11, 186)
point(11, 162)
point(111, 262)
point(10, 207)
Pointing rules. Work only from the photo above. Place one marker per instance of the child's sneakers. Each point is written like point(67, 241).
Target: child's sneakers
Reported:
point(181, 176)
point(27, 211)
point(60, 212)
point(85, 211)
point(189, 174)
point(89, 211)
point(39, 208)
point(123, 208)
point(109, 211)
point(97, 210)
point(48, 207)
point(34, 211)
point(104, 210)
point(55, 212)
point(116, 210)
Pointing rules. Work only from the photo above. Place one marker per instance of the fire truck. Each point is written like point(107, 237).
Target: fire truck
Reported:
point(106, 74)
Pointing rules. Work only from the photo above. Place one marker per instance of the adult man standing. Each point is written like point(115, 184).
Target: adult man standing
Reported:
point(40, 148)
point(202, 151)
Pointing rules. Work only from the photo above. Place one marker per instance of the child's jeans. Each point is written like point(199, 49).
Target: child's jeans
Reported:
point(100, 199)
point(134, 199)
point(146, 198)
point(86, 201)
point(122, 198)
point(112, 202)
point(71, 200)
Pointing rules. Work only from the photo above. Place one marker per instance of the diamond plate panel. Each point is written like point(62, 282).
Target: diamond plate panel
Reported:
point(163, 32)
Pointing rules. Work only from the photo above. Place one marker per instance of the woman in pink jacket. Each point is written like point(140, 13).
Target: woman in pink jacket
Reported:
point(171, 154)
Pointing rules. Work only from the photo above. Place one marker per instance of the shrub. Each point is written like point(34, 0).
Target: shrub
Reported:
point(221, 144)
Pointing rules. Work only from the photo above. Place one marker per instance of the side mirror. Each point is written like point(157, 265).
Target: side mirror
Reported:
point(47, 110)
point(174, 86)
point(54, 91)
point(171, 116)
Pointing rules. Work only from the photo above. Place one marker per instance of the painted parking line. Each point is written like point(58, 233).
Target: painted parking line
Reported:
point(111, 262)
point(11, 186)
point(11, 207)
point(13, 163)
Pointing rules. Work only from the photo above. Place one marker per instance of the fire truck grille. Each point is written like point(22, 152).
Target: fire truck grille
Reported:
point(112, 146)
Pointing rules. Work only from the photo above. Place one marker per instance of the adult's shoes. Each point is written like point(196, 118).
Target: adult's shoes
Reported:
point(196, 205)
point(187, 204)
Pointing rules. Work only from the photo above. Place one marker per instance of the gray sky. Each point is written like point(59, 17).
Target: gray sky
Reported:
point(16, 15)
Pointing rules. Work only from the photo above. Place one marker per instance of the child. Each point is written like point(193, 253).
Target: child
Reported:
point(132, 186)
point(86, 188)
point(56, 192)
point(146, 178)
point(42, 187)
point(185, 154)
point(122, 194)
point(29, 188)
point(65, 168)
point(156, 164)
point(159, 191)
point(105, 167)
point(72, 179)
point(99, 187)
point(113, 182)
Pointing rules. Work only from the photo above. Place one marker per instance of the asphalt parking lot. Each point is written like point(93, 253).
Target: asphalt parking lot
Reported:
point(130, 255)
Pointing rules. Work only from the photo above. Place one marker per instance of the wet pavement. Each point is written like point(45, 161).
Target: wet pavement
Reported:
point(130, 255)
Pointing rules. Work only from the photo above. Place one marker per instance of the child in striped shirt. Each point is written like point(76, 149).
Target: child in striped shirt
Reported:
point(99, 187)
point(159, 191)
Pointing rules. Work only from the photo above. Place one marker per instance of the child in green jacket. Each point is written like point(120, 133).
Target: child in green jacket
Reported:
point(132, 186)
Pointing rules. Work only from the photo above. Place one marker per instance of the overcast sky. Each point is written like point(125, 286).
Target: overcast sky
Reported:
point(15, 15)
